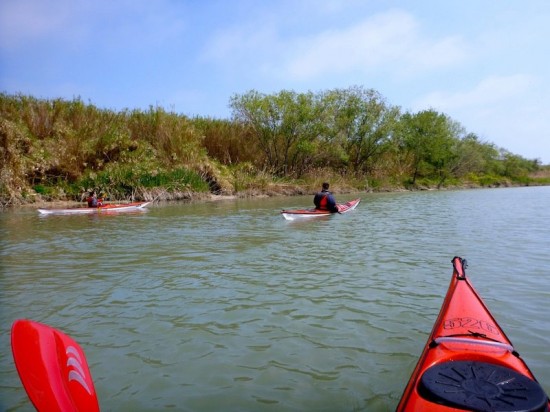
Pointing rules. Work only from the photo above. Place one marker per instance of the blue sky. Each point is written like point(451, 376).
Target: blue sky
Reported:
point(486, 64)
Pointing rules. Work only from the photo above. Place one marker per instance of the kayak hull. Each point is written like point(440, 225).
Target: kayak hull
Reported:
point(296, 214)
point(109, 208)
point(466, 349)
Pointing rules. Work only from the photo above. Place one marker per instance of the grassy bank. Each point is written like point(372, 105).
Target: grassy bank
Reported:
point(57, 150)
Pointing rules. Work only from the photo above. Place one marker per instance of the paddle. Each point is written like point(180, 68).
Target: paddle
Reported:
point(52, 368)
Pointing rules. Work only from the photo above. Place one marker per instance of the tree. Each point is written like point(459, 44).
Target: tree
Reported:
point(431, 138)
point(517, 167)
point(364, 121)
point(474, 156)
point(286, 125)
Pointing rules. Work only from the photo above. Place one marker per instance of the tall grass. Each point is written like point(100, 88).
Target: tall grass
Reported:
point(173, 137)
point(61, 148)
point(228, 142)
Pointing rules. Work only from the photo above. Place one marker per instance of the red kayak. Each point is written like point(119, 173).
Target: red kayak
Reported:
point(468, 362)
point(294, 214)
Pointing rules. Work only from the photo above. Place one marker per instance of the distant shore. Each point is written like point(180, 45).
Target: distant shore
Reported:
point(189, 197)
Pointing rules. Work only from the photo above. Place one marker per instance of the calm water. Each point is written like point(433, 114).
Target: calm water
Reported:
point(226, 306)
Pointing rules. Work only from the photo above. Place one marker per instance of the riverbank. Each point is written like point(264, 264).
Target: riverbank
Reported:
point(275, 190)
point(57, 150)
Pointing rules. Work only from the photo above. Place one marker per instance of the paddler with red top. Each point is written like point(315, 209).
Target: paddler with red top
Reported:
point(93, 201)
point(324, 200)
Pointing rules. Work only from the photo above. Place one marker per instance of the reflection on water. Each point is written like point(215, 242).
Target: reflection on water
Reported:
point(226, 306)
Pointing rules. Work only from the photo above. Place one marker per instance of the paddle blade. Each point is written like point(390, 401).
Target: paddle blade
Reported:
point(52, 368)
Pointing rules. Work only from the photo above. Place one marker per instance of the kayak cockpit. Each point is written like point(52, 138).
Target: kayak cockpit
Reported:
point(481, 386)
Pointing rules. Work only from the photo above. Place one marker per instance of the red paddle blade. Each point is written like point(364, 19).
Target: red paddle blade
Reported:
point(52, 368)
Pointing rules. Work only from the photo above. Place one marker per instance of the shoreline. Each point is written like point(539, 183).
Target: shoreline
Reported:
point(211, 197)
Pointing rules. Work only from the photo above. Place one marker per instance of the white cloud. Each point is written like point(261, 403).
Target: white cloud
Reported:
point(493, 90)
point(390, 42)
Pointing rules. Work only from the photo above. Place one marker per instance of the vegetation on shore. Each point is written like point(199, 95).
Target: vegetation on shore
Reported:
point(283, 143)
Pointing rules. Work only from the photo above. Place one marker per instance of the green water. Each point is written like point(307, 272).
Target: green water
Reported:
point(227, 306)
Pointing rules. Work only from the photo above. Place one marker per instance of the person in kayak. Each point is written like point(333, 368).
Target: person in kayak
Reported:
point(93, 201)
point(324, 200)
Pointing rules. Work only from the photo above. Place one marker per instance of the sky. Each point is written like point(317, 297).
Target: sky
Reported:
point(485, 64)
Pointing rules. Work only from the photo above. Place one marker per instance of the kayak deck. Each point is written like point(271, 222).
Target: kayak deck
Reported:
point(114, 207)
point(468, 362)
point(293, 214)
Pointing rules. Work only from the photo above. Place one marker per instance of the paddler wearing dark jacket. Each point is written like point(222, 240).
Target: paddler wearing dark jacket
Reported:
point(324, 200)
point(93, 201)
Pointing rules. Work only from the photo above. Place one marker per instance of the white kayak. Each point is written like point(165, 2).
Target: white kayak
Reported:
point(109, 208)
point(295, 214)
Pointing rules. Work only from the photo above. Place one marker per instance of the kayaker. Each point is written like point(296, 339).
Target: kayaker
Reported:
point(93, 201)
point(324, 200)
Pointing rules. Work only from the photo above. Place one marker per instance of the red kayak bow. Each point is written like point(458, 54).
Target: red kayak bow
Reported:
point(52, 368)
point(468, 362)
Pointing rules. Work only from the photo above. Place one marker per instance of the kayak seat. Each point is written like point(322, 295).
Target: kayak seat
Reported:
point(481, 386)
